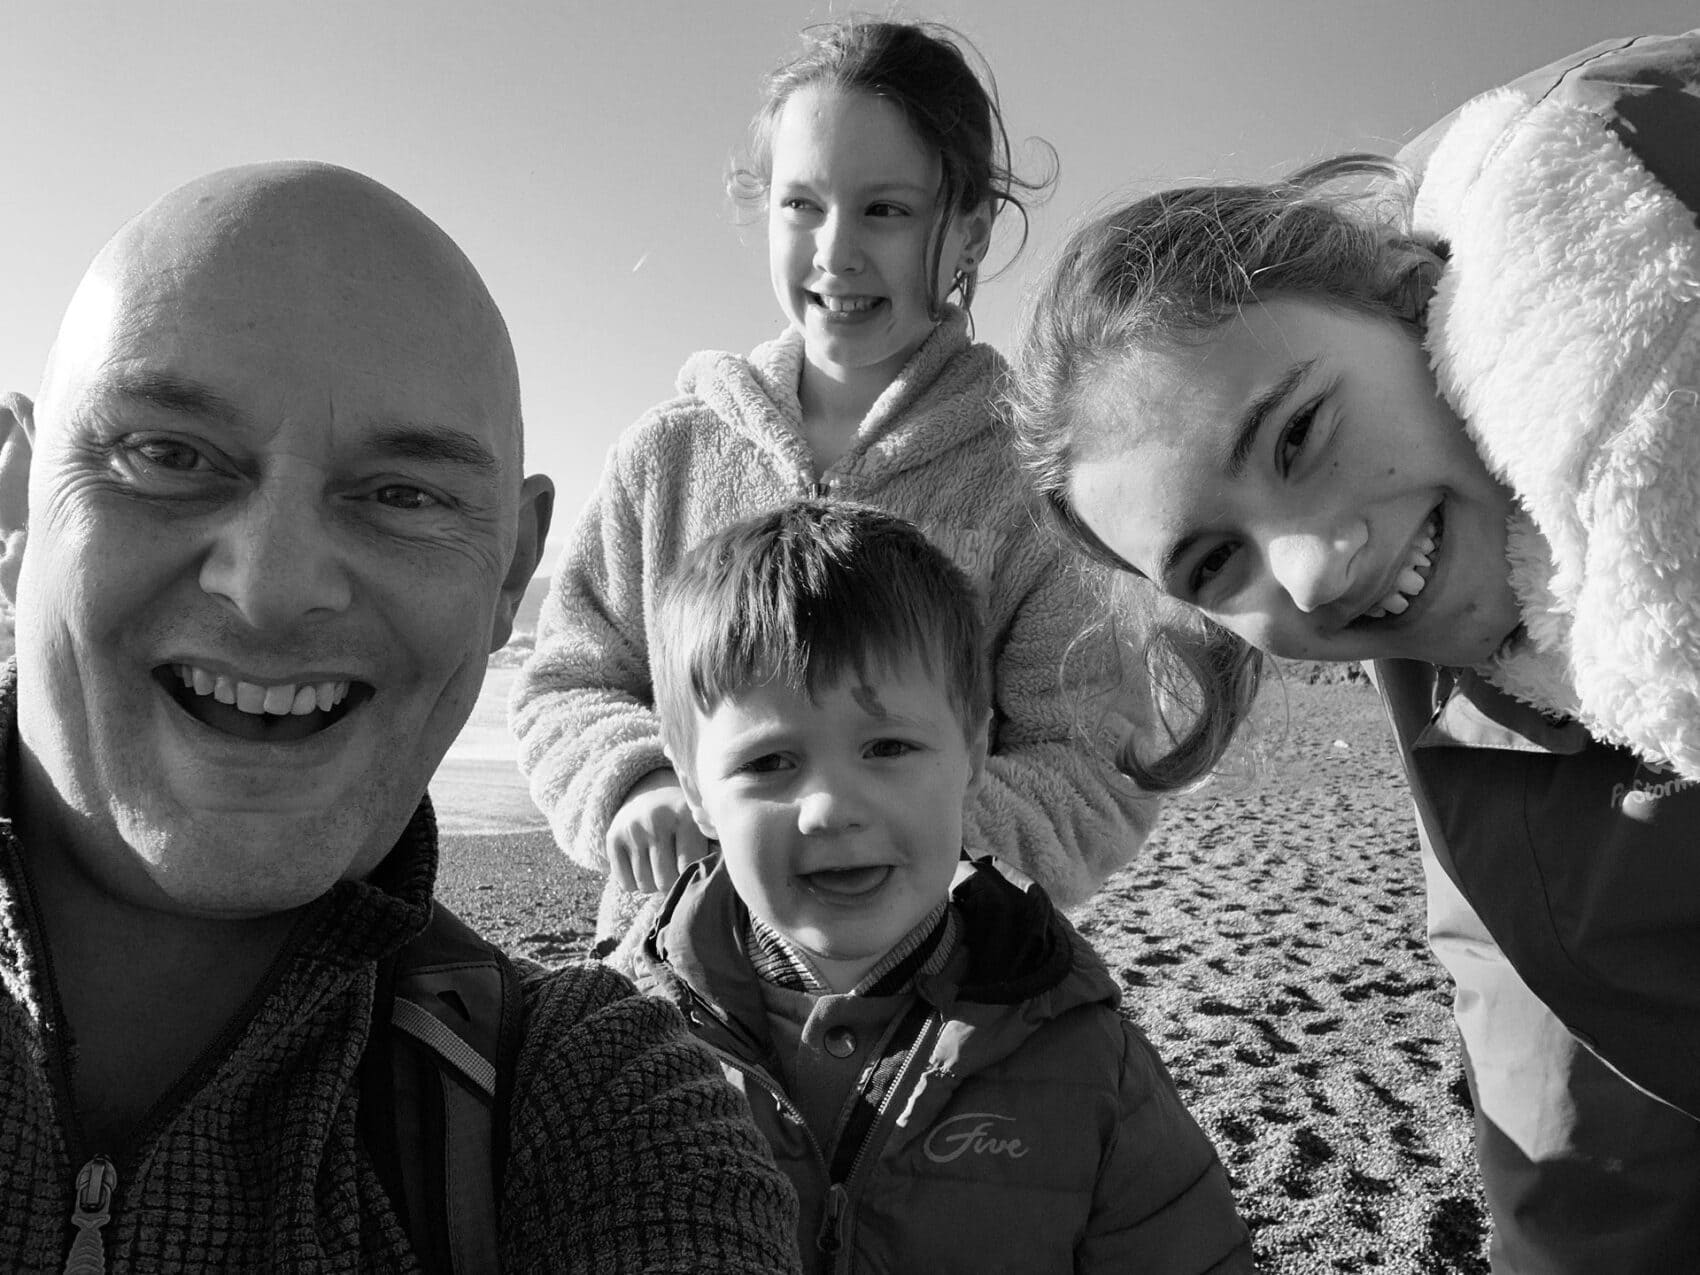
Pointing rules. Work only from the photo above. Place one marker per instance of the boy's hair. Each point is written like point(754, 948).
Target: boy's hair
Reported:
point(920, 68)
point(807, 594)
point(1167, 269)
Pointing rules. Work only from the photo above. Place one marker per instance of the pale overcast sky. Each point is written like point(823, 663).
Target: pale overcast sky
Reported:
point(575, 150)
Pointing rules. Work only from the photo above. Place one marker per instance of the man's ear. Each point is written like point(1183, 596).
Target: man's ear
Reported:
point(536, 508)
point(17, 447)
point(693, 795)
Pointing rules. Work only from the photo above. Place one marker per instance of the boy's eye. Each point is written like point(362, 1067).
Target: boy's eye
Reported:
point(890, 748)
point(766, 764)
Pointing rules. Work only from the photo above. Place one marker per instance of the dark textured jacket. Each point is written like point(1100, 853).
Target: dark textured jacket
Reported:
point(1011, 1121)
point(628, 1150)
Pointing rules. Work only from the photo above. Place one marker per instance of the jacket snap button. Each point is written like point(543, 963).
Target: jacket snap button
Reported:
point(840, 1042)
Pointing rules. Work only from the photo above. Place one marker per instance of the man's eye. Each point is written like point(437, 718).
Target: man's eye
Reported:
point(402, 496)
point(165, 453)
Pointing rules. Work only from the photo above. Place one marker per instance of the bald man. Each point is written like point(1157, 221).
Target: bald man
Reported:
point(276, 521)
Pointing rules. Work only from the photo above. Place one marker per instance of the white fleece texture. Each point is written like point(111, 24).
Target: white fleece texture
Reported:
point(933, 449)
point(1565, 331)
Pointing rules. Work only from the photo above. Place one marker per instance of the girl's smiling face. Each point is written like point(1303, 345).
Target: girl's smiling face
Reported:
point(1295, 475)
point(852, 207)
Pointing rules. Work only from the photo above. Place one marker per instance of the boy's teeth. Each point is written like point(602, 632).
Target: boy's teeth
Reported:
point(287, 699)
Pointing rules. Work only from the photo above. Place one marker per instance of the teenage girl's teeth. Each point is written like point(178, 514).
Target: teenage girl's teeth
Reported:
point(848, 305)
point(285, 700)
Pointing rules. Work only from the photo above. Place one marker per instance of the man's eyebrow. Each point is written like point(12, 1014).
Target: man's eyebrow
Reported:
point(175, 394)
point(437, 444)
point(1258, 410)
point(1245, 438)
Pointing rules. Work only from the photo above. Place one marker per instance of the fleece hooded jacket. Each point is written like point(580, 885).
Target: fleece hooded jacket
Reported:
point(1008, 1119)
point(253, 1162)
point(1565, 332)
point(934, 449)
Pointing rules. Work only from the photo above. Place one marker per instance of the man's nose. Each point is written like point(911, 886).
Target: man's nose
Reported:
point(275, 561)
point(838, 248)
point(1314, 564)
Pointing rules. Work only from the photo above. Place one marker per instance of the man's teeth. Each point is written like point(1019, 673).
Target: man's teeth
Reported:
point(1412, 578)
point(287, 700)
point(847, 305)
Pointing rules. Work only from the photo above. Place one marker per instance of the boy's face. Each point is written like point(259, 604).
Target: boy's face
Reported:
point(840, 818)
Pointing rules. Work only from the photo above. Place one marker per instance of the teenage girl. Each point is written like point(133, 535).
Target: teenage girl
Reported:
point(881, 160)
point(1455, 432)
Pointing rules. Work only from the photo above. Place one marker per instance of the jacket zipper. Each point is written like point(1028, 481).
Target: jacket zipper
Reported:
point(97, 1181)
point(91, 1209)
point(820, 489)
point(830, 1240)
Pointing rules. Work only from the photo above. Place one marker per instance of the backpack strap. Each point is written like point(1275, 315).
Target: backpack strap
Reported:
point(436, 1087)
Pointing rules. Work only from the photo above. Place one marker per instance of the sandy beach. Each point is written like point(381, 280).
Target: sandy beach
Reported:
point(1269, 941)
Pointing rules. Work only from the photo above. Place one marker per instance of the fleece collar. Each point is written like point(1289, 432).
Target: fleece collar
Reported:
point(944, 395)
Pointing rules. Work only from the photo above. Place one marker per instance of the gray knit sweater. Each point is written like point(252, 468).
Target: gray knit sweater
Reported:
point(629, 1152)
point(933, 449)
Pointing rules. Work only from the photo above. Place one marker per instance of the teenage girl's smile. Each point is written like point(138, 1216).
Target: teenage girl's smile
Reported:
point(852, 212)
point(1294, 474)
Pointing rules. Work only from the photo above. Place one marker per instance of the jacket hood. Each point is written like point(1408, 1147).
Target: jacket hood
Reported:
point(949, 376)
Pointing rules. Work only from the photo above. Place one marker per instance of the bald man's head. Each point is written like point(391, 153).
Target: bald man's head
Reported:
point(277, 522)
point(304, 236)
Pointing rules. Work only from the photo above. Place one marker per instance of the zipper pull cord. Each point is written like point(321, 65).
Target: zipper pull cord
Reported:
point(831, 1237)
point(92, 1210)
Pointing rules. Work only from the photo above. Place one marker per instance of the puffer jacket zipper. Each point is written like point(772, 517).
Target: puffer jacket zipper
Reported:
point(857, 1138)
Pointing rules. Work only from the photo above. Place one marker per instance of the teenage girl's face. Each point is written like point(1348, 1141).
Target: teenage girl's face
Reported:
point(1295, 475)
point(853, 206)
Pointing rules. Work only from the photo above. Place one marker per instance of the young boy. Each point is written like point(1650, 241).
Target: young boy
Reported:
point(932, 1051)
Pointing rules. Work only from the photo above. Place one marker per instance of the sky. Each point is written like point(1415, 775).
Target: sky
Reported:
point(577, 150)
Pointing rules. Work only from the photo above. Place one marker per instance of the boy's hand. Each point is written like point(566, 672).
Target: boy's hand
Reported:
point(653, 837)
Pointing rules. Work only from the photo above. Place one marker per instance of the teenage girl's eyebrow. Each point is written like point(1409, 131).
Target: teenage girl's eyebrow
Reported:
point(1258, 411)
point(1250, 425)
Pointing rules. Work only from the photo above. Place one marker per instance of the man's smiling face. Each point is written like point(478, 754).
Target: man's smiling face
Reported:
point(274, 503)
